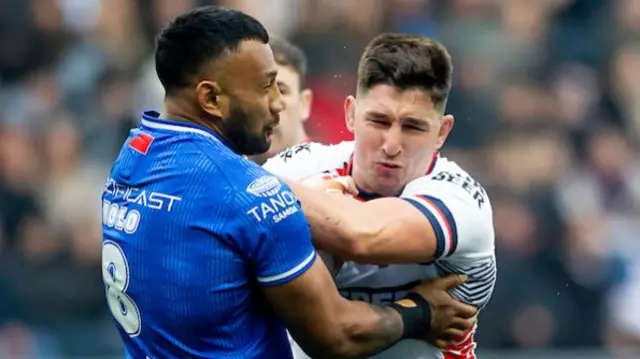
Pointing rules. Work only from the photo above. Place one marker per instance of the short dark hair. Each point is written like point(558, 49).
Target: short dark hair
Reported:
point(288, 54)
point(407, 61)
point(198, 36)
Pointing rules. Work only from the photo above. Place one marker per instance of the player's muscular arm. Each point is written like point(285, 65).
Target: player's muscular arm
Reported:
point(382, 231)
point(325, 324)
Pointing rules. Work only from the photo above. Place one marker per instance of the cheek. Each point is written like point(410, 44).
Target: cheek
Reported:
point(369, 140)
point(419, 150)
point(291, 110)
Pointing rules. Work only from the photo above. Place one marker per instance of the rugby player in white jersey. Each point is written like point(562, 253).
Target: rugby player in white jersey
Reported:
point(292, 70)
point(417, 215)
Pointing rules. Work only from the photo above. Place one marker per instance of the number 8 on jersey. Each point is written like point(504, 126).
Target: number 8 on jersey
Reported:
point(115, 274)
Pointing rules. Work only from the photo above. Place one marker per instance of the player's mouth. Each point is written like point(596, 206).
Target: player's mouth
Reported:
point(388, 165)
point(268, 130)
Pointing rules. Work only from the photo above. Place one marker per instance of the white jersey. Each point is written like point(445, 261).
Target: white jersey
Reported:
point(460, 212)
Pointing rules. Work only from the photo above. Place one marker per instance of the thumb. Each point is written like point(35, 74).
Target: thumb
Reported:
point(349, 185)
point(453, 280)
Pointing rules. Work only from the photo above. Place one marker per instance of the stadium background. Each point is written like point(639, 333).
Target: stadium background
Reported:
point(547, 101)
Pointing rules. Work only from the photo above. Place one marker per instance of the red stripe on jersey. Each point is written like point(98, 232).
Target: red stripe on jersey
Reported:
point(141, 143)
point(344, 171)
point(432, 164)
point(448, 226)
point(463, 349)
point(349, 168)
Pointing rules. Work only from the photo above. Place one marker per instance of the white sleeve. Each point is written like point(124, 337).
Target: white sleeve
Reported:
point(459, 210)
point(296, 350)
point(297, 162)
point(460, 213)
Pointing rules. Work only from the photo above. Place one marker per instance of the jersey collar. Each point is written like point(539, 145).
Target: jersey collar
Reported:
point(152, 120)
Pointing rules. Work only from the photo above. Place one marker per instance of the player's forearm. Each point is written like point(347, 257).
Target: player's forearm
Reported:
point(340, 225)
point(362, 330)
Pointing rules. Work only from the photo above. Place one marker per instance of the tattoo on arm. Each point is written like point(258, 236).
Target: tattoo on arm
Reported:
point(390, 325)
point(387, 331)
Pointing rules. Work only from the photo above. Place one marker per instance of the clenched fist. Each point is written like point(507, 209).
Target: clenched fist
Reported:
point(331, 183)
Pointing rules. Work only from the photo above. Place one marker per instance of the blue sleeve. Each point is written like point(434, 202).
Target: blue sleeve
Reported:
point(277, 235)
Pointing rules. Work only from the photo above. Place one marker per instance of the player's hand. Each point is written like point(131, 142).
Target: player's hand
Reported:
point(331, 183)
point(450, 318)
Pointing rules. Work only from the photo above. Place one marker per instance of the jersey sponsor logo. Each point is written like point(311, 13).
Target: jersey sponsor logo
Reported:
point(294, 150)
point(277, 207)
point(265, 186)
point(382, 295)
point(145, 198)
point(466, 182)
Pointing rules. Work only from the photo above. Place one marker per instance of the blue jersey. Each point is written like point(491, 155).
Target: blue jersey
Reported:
point(191, 232)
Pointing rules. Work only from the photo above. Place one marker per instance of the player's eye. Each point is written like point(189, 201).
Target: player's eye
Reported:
point(415, 128)
point(283, 90)
point(379, 121)
point(270, 84)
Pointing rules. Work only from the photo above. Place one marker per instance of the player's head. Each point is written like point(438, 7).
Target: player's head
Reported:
point(397, 116)
point(292, 69)
point(216, 67)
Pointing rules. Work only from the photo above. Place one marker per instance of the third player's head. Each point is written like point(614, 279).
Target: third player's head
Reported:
point(397, 115)
point(292, 69)
point(218, 70)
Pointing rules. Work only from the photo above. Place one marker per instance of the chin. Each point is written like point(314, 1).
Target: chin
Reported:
point(256, 148)
point(388, 187)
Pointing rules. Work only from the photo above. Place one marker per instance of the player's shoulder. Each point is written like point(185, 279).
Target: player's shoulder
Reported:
point(310, 158)
point(448, 179)
point(462, 202)
point(251, 199)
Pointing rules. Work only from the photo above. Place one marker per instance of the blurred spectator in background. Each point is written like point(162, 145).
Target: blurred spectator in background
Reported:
point(548, 91)
point(292, 70)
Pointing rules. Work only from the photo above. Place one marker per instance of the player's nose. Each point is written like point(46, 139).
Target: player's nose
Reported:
point(392, 144)
point(277, 101)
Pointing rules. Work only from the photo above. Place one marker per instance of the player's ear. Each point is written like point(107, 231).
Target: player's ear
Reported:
point(209, 95)
point(446, 125)
point(306, 99)
point(350, 112)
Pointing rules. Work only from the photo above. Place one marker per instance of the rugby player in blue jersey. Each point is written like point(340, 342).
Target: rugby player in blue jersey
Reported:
point(207, 255)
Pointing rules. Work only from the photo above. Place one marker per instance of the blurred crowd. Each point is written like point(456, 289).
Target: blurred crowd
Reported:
point(547, 105)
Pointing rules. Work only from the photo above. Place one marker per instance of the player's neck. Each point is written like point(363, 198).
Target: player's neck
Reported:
point(173, 110)
point(302, 136)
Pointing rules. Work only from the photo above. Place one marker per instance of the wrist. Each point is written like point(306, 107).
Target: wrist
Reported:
point(415, 312)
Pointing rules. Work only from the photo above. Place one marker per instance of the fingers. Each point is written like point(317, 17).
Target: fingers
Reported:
point(348, 185)
point(332, 183)
point(453, 334)
point(464, 310)
point(453, 280)
point(352, 189)
point(440, 343)
point(463, 325)
point(449, 337)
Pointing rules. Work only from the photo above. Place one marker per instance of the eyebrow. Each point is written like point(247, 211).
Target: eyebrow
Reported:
point(271, 74)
